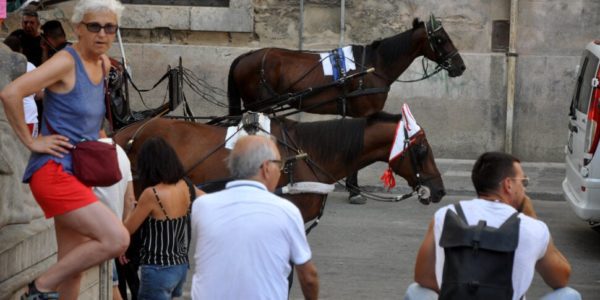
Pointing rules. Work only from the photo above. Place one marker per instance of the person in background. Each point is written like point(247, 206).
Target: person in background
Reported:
point(54, 39)
point(247, 238)
point(162, 215)
point(87, 232)
point(30, 38)
point(29, 103)
point(500, 185)
point(119, 197)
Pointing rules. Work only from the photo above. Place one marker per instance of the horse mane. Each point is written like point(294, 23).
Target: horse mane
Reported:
point(331, 140)
point(383, 117)
point(390, 48)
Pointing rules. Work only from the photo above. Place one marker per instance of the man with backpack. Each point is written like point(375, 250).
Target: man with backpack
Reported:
point(488, 248)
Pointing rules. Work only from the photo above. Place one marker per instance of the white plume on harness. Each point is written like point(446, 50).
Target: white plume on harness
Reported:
point(409, 123)
point(407, 128)
point(236, 132)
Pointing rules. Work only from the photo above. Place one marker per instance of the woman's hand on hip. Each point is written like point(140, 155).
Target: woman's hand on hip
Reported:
point(54, 144)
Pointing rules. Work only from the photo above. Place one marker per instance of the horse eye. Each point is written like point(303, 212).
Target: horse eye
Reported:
point(439, 40)
point(422, 152)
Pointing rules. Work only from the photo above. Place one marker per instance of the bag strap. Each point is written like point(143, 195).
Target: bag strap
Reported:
point(106, 97)
point(52, 131)
point(461, 214)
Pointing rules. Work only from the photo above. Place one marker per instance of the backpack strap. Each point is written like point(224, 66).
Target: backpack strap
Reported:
point(460, 212)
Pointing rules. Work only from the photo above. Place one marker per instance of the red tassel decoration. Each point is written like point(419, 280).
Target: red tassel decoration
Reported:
point(388, 179)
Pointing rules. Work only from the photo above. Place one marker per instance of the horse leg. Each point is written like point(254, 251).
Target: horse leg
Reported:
point(352, 187)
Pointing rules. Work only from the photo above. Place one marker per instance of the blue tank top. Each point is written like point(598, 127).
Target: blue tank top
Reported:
point(76, 114)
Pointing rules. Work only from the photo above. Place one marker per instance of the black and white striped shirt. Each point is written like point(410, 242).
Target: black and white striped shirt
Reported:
point(164, 242)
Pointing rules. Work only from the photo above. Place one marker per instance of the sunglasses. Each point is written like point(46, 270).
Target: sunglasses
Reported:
point(96, 27)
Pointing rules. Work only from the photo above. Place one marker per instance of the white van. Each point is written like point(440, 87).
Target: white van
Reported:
point(582, 183)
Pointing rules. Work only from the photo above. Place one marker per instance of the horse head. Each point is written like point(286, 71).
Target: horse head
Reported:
point(441, 49)
point(411, 157)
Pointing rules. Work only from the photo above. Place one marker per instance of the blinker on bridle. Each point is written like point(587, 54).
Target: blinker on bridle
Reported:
point(435, 38)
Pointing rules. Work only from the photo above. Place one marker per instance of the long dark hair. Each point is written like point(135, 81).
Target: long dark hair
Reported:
point(157, 163)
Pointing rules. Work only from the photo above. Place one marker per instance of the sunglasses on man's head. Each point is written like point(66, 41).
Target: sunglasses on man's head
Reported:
point(96, 27)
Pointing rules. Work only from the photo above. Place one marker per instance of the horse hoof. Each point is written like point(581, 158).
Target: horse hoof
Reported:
point(357, 199)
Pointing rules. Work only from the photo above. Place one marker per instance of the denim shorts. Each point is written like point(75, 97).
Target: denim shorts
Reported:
point(115, 277)
point(161, 282)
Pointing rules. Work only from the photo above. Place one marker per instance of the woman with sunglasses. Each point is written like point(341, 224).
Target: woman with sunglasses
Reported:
point(87, 232)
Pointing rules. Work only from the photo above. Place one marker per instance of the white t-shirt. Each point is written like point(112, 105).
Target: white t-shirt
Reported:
point(113, 196)
point(29, 106)
point(245, 239)
point(533, 239)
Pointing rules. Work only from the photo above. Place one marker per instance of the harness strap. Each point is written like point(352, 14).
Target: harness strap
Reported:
point(355, 93)
point(284, 137)
point(318, 218)
point(362, 67)
point(263, 80)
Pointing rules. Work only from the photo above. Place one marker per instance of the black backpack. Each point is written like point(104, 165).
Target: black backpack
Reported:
point(479, 259)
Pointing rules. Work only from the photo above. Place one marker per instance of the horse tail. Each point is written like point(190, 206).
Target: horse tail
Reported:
point(235, 100)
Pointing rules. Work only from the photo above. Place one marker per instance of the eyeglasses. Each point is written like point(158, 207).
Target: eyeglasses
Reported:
point(278, 162)
point(524, 180)
point(96, 27)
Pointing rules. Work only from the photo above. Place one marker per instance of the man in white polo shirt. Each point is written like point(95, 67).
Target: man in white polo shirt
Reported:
point(246, 237)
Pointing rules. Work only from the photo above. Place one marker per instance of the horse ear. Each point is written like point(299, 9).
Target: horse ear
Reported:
point(416, 22)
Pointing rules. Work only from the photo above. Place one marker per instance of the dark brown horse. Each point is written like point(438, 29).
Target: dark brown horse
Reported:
point(335, 149)
point(272, 79)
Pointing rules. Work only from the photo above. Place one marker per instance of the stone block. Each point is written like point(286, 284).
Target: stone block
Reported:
point(221, 19)
point(25, 251)
point(16, 202)
point(155, 16)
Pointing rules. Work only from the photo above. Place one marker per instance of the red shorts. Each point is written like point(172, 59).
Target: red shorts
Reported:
point(33, 129)
point(58, 192)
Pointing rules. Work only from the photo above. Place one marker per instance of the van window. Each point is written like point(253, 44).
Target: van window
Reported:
point(583, 90)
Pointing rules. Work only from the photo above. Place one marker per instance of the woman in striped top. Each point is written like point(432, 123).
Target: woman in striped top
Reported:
point(162, 216)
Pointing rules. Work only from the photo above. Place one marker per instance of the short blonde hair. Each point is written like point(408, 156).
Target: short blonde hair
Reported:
point(86, 6)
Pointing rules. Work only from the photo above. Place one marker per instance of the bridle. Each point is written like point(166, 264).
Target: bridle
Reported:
point(437, 38)
point(417, 154)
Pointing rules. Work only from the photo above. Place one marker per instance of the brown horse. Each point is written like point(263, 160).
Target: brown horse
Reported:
point(271, 79)
point(335, 149)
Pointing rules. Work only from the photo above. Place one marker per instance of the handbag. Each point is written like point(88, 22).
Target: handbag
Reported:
point(95, 163)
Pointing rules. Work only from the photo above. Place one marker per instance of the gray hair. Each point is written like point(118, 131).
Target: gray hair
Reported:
point(246, 164)
point(87, 6)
